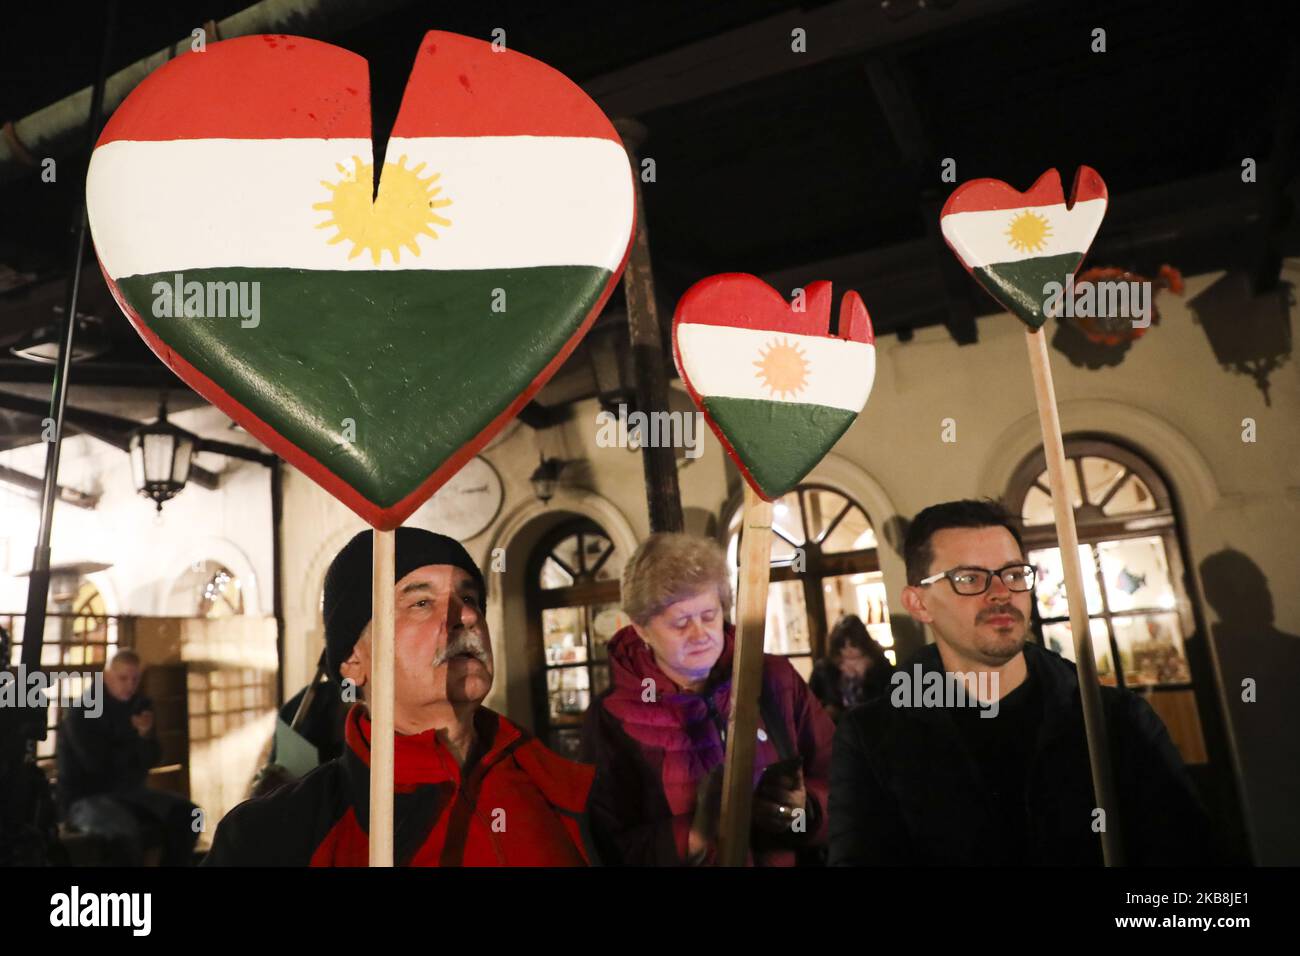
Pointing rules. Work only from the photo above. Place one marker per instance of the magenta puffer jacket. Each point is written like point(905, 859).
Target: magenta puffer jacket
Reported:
point(651, 754)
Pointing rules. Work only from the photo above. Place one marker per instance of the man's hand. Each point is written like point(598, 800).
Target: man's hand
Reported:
point(142, 722)
point(780, 801)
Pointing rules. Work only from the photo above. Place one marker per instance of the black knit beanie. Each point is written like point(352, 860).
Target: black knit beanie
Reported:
point(348, 583)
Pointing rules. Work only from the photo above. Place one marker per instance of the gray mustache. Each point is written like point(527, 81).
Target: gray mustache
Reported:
point(463, 642)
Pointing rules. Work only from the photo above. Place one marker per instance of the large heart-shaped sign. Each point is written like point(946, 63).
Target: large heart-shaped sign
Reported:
point(1016, 244)
point(777, 387)
point(377, 346)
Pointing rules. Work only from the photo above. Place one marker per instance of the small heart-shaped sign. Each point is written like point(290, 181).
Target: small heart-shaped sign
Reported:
point(1015, 243)
point(375, 343)
point(777, 387)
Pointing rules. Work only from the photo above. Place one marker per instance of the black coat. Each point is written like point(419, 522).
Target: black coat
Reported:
point(826, 683)
point(104, 753)
point(322, 725)
point(905, 788)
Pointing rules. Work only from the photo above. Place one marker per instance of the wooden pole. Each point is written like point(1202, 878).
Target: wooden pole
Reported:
point(746, 680)
point(1094, 721)
point(380, 699)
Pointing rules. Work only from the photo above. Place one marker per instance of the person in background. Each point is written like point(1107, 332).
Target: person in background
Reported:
point(658, 735)
point(302, 742)
point(855, 670)
point(104, 763)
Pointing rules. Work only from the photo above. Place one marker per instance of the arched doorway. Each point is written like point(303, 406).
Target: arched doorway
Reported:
point(573, 611)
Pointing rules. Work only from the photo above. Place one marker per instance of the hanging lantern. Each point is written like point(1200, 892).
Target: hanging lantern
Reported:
point(160, 458)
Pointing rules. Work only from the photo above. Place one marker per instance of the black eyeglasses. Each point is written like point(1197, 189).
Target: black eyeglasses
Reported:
point(971, 581)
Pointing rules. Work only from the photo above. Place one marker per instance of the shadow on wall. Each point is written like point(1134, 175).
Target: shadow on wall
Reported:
point(701, 521)
point(1251, 648)
point(894, 532)
point(1250, 334)
point(909, 634)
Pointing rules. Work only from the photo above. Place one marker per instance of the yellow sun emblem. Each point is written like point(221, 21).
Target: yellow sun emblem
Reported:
point(1029, 232)
point(783, 368)
point(404, 209)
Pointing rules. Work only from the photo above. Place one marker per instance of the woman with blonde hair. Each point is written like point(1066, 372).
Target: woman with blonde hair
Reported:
point(658, 735)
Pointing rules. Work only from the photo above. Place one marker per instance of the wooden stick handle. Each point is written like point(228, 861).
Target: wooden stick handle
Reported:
point(746, 680)
point(380, 700)
point(1094, 722)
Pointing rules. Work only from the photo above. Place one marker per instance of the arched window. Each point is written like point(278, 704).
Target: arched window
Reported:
point(1140, 616)
point(90, 637)
point(573, 612)
point(222, 595)
point(824, 566)
point(211, 589)
point(1131, 565)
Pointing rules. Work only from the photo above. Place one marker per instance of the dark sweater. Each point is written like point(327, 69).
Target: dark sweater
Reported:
point(909, 785)
point(1003, 748)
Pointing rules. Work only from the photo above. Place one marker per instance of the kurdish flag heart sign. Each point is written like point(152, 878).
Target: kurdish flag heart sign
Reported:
point(378, 344)
point(774, 383)
point(1015, 243)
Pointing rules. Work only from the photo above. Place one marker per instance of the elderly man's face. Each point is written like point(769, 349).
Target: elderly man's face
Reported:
point(122, 679)
point(442, 649)
point(686, 637)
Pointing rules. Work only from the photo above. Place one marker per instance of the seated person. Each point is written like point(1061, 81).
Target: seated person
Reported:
point(470, 789)
point(855, 670)
point(658, 735)
point(104, 761)
point(916, 780)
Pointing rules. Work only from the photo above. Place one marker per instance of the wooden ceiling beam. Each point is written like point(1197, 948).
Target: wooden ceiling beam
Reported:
point(897, 101)
point(755, 51)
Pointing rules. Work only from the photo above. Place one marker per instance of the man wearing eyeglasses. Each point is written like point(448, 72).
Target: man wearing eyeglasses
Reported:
point(997, 773)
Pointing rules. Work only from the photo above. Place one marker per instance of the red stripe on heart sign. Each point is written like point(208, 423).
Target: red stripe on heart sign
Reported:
point(983, 195)
point(742, 301)
point(484, 92)
point(268, 91)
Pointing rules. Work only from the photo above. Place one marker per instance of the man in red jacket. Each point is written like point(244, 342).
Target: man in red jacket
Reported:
point(470, 788)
